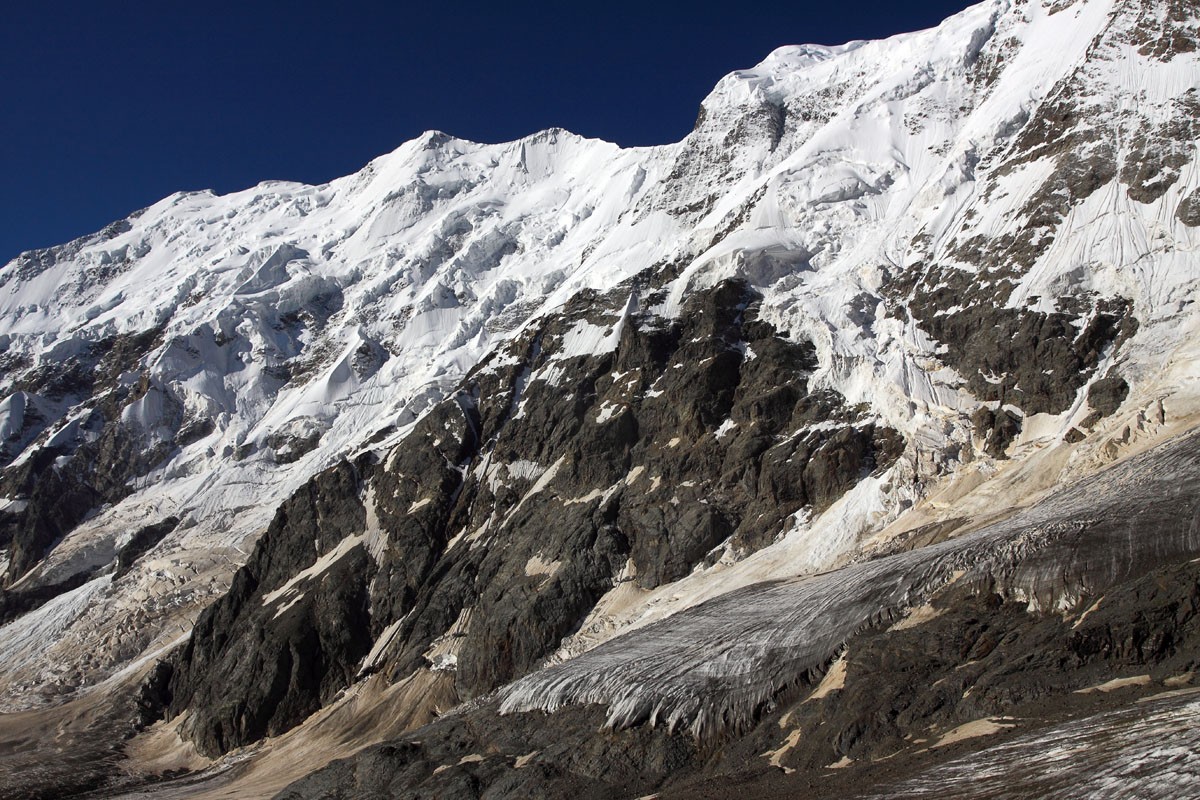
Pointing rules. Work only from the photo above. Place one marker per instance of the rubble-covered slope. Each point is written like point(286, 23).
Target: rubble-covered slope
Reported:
point(491, 413)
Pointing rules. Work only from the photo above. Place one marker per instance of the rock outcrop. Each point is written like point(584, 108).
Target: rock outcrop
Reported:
point(836, 434)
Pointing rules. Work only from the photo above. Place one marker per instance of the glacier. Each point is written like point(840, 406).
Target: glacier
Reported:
point(985, 233)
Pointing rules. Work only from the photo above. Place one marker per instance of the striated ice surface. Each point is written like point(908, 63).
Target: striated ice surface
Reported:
point(717, 666)
point(1148, 750)
point(336, 315)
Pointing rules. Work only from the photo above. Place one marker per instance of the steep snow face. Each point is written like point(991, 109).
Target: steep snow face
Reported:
point(334, 311)
point(1031, 156)
point(290, 324)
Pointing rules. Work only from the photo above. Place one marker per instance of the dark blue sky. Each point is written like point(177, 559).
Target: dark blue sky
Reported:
point(107, 107)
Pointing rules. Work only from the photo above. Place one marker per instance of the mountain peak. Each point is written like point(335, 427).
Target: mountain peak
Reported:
point(898, 320)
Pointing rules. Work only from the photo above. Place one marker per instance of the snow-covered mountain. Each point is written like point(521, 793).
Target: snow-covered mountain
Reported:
point(467, 415)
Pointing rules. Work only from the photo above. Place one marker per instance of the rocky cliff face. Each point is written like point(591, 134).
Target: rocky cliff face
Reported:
point(781, 681)
point(550, 424)
point(515, 505)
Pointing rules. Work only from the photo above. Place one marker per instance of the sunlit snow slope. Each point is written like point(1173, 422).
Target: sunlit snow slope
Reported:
point(986, 232)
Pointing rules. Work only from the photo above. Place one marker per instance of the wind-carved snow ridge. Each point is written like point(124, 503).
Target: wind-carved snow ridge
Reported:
point(718, 666)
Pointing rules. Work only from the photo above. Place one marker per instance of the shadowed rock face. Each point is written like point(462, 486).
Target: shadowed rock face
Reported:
point(715, 667)
point(1034, 360)
point(253, 669)
point(89, 462)
point(15, 602)
point(1189, 210)
point(904, 206)
point(141, 542)
point(497, 525)
point(897, 698)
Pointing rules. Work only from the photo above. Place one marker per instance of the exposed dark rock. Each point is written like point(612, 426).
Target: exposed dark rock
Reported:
point(651, 409)
point(558, 470)
point(33, 421)
point(1164, 28)
point(1034, 360)
point(697, 489)
point(289, 447)
point(141, 543)
point(977, 657)
point(62, 485)
point(1189, 209)
point(846, 458)
point(998, 429)
point(705, 162)
point(1079, 144)
point(661, 559)
point(1157, 159)
point(14, 603)
point(522, 613)
point(31, 263)
point(518, 760)
point(512, 508)
point(983, 657)
point(93, 462)
point(254, 668)
point(715, 667)
point(974, 651)
point(368, 358)
point(154, 693)
point(96, 368)
point(416, 490)
point(57, 501)
point(194, 430)
point(1105, 397)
